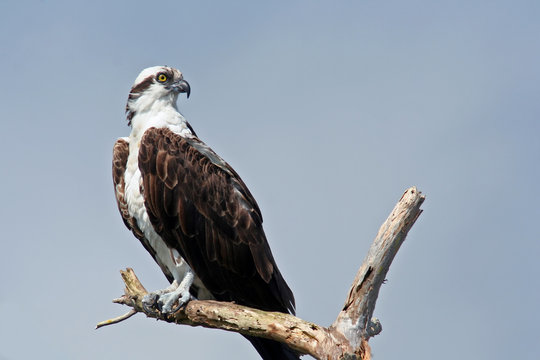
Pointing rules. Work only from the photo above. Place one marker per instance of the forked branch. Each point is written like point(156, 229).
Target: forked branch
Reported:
point(346, 338)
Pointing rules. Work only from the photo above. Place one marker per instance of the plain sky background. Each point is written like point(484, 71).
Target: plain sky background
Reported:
point(328, 111)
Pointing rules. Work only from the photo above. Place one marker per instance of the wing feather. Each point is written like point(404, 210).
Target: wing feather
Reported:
point(120, 157)
point(199, 205)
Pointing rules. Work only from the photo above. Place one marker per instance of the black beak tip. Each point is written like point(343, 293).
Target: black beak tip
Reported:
point(185, 88)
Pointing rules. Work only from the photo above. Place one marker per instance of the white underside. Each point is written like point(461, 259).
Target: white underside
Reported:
point(165, 256)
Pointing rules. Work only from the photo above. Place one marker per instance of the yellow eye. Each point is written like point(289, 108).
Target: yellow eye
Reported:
point(162, 77)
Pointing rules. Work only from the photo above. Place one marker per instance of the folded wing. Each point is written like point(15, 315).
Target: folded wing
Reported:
point(199, 205)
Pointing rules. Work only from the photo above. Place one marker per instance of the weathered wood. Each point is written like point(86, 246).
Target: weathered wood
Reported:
point(303, 336)
point(354, 320)
point(346, 338)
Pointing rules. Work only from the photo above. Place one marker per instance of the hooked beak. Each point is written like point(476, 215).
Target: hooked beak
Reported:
point(182, 86)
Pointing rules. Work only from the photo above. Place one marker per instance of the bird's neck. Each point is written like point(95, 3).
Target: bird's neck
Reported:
point(159, 114)
point(150, 101)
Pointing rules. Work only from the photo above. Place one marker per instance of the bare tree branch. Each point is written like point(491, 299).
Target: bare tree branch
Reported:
point(346, 338)
point(117, 319)
point(354, 320)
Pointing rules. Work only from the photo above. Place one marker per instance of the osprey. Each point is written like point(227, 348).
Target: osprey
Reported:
point(191, 211)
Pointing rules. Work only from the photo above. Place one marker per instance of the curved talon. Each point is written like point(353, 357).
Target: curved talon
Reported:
point(180, 305)
point(150, 302)
point(176, 308)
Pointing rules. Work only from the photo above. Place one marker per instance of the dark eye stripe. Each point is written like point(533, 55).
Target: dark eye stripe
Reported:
point(142, 86)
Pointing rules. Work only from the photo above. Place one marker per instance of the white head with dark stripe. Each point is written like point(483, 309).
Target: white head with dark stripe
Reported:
point(154, 87)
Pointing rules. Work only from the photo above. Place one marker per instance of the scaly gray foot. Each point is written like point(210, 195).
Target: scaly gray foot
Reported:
point(164, 300)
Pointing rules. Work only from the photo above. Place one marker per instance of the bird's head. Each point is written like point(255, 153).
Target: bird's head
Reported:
point(156, 86)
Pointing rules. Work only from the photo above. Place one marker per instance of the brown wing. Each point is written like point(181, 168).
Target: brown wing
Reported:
point(120, 157)
point(199, 205)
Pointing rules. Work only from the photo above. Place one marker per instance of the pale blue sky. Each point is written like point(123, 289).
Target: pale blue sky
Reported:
point(329, 111)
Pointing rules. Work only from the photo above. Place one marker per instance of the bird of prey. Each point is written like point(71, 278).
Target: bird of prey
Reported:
point(191, 211)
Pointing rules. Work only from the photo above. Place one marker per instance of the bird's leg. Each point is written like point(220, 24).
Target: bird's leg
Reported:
point(165, 299)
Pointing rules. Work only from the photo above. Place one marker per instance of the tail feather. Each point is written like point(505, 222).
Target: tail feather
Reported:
point(272, 350)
